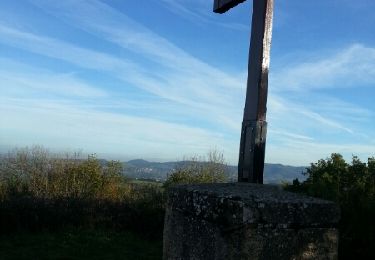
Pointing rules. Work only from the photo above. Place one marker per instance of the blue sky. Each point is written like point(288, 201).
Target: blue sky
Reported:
point(164, 79)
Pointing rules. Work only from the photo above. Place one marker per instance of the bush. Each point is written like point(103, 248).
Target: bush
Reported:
point(38, 173)
point(199, 170)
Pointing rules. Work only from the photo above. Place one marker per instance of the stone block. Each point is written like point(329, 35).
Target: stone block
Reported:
point(248, 221)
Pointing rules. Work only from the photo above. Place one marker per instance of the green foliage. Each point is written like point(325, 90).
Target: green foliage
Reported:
point(38, 173)
point(40, 191)
point(352, 186)
point(199, 170)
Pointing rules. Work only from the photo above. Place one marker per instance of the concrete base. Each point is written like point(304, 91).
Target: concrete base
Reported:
point(248, 221)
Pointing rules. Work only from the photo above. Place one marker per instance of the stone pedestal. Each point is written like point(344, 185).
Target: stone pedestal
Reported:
point(248, 221)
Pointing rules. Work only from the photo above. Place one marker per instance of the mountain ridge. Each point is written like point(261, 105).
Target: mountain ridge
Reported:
point(274, 173)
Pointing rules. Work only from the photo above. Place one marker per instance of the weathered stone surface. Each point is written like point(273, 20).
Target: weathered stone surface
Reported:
point(248, 221)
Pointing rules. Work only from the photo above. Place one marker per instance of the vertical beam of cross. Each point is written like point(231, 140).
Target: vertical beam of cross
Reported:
point(254, 124)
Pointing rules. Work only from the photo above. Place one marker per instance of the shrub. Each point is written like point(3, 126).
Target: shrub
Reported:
point(38, 173)
point(194, 170)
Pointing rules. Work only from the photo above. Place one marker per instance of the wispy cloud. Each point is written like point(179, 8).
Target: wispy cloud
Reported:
point(346, 68)
point(291, 135)
point(205, 88)
point(54, 48)
point(324, 120)
point(99, 19)
point(291, 114)
point(22, 79)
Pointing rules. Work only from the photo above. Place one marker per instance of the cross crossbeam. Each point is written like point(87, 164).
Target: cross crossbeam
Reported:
point(254, 124)
point(221, 6)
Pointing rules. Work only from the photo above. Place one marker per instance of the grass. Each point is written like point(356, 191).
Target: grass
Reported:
point(78, 244)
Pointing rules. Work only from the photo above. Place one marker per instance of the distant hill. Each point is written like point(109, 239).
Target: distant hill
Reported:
point(142, 169)
point(275, 173)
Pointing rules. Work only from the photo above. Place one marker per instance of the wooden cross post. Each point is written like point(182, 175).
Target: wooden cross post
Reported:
point(254, 125)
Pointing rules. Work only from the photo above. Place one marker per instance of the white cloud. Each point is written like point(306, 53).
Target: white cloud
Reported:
point(291, 135)
point(346, 68)
point(54, 48)
point(21, 79)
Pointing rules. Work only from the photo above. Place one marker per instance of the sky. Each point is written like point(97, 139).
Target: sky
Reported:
point(163, 80)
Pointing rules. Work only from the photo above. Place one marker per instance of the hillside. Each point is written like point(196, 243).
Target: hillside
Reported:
point(142, 169)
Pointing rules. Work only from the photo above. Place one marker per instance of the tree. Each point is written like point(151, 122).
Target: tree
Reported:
point(113, 180)
point(352, 186)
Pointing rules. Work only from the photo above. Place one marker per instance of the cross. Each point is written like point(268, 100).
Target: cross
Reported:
point(254, 124)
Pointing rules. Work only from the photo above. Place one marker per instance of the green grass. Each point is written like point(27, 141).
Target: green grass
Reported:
point(78, 244)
